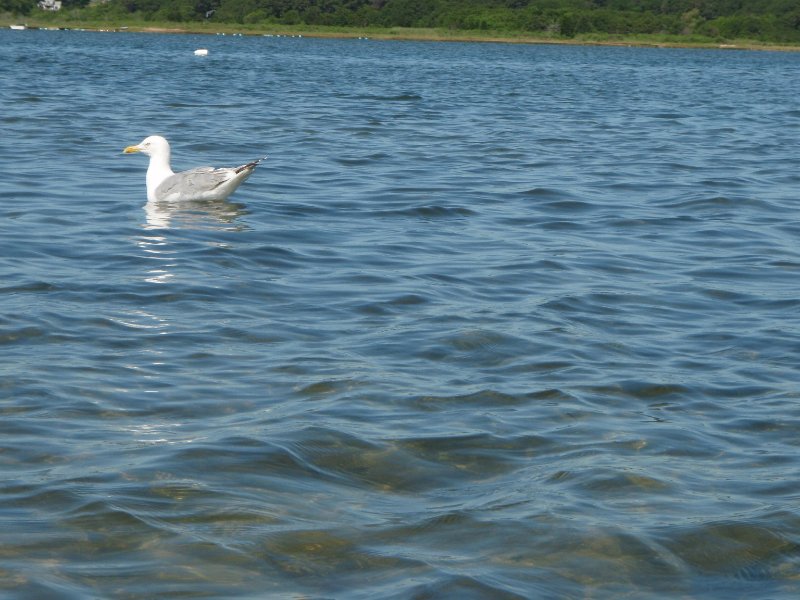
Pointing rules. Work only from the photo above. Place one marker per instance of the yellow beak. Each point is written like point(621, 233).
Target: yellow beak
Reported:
point(131, 149)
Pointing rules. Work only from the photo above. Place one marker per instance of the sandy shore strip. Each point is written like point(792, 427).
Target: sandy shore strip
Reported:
point(407, 34)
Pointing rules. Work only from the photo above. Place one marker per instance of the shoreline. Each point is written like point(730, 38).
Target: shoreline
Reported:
point(406, 34)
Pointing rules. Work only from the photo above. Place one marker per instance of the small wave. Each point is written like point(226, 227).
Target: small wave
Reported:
point(428, 212)
point(746, 550)
point(485, 398)
point(362, 161)
point(395, 305)
point(566, 206)
point(601, 481)
point(643, 390)
point(402, 97)
point(270, 256)
point(669, 116)
point(463, 586)
point(32, 287)
point(545, 193)
point(383, 466)
point(22, 335)
point(562, 225)
point(716, 202)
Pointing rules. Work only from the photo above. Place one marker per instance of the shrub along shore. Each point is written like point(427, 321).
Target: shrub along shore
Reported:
point(51, 21)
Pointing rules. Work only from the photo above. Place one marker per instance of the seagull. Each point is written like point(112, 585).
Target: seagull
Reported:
point(201, 183)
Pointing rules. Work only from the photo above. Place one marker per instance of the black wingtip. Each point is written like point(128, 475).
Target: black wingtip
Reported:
point(251, 165)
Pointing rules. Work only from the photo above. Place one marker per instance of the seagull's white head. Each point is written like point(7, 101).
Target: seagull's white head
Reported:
point(157, 148)
point(155, 145)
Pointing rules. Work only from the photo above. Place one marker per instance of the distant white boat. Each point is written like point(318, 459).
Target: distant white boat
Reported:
point(18, 27)
point(201, 52)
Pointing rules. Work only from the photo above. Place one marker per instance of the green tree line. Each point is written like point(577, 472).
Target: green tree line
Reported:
point(765, 20)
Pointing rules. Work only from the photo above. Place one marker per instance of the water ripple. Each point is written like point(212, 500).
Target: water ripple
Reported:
point(494, 321)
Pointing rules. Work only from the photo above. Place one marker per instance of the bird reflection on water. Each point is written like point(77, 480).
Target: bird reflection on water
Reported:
point(195, 214)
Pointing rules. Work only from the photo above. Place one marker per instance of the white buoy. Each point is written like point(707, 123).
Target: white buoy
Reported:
point(201, 52)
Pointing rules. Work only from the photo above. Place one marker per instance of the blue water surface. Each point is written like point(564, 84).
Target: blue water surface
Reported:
point(492, 321)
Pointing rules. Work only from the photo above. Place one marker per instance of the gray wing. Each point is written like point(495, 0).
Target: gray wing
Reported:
point(193, 184)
